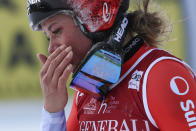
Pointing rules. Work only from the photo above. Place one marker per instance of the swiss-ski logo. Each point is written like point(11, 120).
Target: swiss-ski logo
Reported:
point(134, 83)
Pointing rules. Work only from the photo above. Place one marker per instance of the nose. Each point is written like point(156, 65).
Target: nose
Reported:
point(53, 45)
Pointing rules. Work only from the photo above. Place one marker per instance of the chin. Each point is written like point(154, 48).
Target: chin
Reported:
point(76, 62)
point(75, 65)
point(74, 68)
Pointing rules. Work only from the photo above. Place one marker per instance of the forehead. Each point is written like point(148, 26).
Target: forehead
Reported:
point(58, 18)
point(51, 19)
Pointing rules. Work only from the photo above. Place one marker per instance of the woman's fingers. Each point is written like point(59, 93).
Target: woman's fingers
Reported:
point(53, 77)
point(62, 67)
point(50, 58)
point(64, 63)
point(55, 69)
point(64, 77)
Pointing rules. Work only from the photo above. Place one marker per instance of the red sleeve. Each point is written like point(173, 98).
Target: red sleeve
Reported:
point(72, 122)
point(171, 96)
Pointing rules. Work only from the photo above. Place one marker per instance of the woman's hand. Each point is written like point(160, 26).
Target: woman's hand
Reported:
point(53, 78)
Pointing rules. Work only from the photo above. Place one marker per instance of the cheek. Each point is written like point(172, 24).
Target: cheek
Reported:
point(68, 35)
point(80, 50)
point(80, 44)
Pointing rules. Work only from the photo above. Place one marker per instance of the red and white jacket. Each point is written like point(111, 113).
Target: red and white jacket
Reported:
point(157, 91)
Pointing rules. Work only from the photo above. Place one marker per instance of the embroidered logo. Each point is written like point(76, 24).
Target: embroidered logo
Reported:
point(134, 83)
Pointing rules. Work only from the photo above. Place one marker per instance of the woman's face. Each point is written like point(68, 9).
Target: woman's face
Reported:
point(61, 29)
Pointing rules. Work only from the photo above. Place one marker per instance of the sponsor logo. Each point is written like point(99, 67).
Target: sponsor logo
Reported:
point(90, 108)
point(134, 43)
point(114, 125)
point(103, 107)
point(176, 88)
point(134, 83)
point(93, 106)
point(180, 87)
point(109, 106)
point(106, 12)
point(34, 1)
point(121, 30)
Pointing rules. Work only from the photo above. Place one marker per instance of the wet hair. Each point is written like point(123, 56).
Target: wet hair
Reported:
point(151, 26)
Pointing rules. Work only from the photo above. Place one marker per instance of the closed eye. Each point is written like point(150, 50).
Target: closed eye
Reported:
point(57, 31)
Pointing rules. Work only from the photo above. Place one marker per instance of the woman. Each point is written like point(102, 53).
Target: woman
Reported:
point(156, 90)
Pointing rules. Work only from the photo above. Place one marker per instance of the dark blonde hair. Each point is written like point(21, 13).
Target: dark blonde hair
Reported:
point(151, 26)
